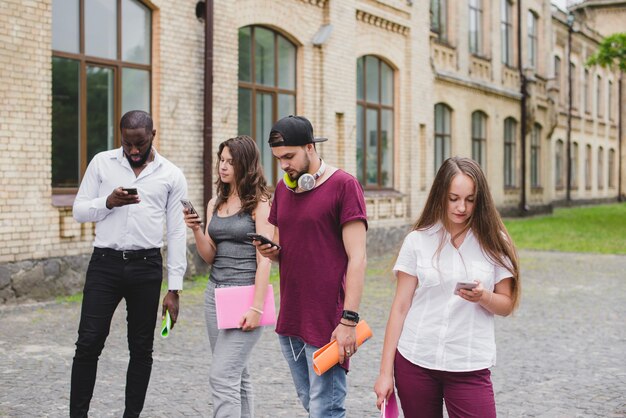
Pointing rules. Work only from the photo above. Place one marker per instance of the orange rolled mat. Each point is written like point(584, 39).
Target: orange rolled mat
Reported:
point(327, 356)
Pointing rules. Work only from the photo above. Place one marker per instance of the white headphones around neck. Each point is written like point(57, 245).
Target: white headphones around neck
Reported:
point(306, 182)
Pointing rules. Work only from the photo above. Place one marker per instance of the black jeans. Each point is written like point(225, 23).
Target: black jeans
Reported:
point(112, 276)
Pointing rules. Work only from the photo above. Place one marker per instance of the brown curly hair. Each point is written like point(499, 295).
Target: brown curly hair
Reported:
point(249, 178)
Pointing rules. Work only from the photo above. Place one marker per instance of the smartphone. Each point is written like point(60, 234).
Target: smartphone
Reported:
point(130, 190)
point(464, 285)
point(187, 205)
point(259, 237)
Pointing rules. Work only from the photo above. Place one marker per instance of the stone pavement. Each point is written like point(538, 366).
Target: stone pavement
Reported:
point(561, 355)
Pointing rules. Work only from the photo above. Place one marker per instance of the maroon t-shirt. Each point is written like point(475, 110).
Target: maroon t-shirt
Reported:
point(313, 260)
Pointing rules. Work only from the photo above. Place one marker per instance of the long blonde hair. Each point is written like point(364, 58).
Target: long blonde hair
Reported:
point(485, 221)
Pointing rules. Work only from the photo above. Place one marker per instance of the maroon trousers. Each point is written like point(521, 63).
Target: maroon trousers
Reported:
point(423, 391)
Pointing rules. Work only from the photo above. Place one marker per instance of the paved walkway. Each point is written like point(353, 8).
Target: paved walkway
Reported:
point(562, 355)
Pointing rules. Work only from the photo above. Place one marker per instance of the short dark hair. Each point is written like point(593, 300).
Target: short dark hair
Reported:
point(135, 119)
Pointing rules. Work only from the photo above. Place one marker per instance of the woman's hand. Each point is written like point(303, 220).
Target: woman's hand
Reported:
point(192, 220)
point(250, 320)
point(383, 388)
point(474, 295)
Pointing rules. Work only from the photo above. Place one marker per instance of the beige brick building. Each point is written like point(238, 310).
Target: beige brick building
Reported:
point(396, 86)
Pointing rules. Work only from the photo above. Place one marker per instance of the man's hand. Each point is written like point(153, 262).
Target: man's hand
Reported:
point(170, 304)
point(346, 340)
point(119, 197)
point(267, 250)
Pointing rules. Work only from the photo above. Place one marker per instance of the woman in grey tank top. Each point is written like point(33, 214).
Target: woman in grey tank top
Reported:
point(241, 205)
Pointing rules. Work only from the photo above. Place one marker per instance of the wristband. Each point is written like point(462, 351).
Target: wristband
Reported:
point(260, 312)
point(350, 316)
point(347, 325)
point(177, 291)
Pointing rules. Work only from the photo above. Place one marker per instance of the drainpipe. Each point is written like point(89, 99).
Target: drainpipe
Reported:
point(207, 145)
point(522, 204)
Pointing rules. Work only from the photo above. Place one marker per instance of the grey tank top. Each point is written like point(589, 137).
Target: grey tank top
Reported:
point(235, 259)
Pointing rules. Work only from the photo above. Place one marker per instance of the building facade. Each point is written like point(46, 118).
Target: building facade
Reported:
point(397, 86)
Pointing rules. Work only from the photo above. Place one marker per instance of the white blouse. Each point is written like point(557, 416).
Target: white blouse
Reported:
point(442, 331)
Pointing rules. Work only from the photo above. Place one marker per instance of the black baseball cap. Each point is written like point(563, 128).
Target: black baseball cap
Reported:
point(295, 131)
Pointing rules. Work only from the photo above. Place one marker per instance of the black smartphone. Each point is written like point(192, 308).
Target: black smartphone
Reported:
point(264, 240)
point(187, 205)
point(130, 190)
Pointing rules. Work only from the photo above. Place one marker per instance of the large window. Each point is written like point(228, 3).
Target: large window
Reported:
point(479, 138)
point(101, 66)
point(609, 93)
point(267, 87)
point(600, 168)
point(439, 18)
point(557, 78)
point(375, 126)
point(442, 134)
point(588, 167)
point(475, 26)
point(510, 143)
point(532, 39)
point(611, 168)
point(535, 156)
point(574, 166)
point(506, 31)
point(558, 165)
point(599, 109)
point(586, 87)
point(573, 90)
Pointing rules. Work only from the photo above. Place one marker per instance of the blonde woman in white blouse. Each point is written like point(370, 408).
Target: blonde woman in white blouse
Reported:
point(439, 342)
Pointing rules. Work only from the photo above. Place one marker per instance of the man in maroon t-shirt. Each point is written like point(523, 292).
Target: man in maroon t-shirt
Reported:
point(320, 218)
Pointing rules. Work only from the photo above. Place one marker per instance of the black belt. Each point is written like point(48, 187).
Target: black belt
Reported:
point(128, 254)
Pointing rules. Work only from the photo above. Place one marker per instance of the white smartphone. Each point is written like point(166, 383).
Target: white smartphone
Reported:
point(464, 285)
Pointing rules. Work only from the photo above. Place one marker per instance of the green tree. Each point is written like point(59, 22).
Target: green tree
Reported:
point(611, 52)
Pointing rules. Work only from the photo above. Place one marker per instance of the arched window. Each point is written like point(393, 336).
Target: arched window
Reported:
point(611, 168)
point(558, 165)
point(101, 68)
point(535, 156)
point(267, 87)
point(532, 31)
point(510, 144)
point(479, 138)
point(375, 128)
point(575, 165)
point(588, 167)
point(442, 134)
point(600, 168)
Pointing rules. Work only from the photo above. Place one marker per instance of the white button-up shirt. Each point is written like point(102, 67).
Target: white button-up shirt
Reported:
point(160, 186)
point(442, 331)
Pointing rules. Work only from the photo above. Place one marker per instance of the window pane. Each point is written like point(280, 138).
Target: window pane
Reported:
point(135, 32)
point(386, 80)
point(372, 147)
point(264, 106)
point(135, 90)
point(244, 116)
point(359, 144)
point(65, 122)
point(286, 64)
point(386, 144)
point(372, 77)
point(101, 28)
point(286, 105)
point(359, 79)
point(99, 110)
point(65, 22)
point(264, 56)
point(245, 54)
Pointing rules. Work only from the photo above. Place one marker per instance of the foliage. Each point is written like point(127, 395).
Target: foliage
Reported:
point(611, 52)
point(590, 229)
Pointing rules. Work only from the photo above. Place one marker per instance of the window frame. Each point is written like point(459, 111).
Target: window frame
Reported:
point(509, 161)
point(600, 173)
point(559, 157)
point(535, 156)
point(533, 38)
point(439, 21)
point(273, 90)
point(117, 65)
point(379, 107)
point(475, 39)
point(480, 140)
point(506, 33)
point(442, 137)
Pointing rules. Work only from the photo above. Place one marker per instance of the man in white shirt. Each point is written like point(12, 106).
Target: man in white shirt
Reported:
point(129, 192)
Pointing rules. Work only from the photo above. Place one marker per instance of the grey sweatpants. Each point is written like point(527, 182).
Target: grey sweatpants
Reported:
point(230, 382)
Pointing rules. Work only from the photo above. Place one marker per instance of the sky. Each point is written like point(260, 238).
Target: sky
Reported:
point(560, 3)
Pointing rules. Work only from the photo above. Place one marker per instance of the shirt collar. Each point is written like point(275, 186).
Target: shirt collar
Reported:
point(439, 226)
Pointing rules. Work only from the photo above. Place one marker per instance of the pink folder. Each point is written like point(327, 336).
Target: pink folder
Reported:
point(389, 408)
point(231, 303)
